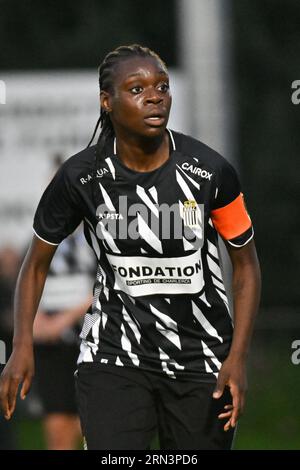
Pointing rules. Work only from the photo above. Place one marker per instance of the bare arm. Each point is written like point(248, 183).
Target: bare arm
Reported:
point(30, 284)
point(246, 295)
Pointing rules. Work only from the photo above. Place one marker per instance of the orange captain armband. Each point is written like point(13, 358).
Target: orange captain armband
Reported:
point(232, 220)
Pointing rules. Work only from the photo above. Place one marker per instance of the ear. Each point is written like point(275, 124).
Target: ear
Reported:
point(105, 101)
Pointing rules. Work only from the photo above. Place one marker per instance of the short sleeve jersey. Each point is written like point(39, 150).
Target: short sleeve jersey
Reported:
point(159, 298)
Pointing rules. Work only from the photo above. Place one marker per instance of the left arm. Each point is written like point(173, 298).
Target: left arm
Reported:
point(246, 284)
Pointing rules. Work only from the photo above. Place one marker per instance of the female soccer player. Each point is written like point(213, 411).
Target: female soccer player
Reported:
point(158, 348)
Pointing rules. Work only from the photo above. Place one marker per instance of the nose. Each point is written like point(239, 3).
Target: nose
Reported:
point(153, 96)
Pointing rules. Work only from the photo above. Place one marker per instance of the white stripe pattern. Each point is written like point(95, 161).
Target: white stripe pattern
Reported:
point(131, 324)
point(197, 185)
point(204, 299)
point(168, 328)
point(185, 189)
point(153, 193)
point(107, 199)
point(208, 353)
point(89, 321)
point(95, 331)
point(165, 319)
point(111, 167)
point(104, 319)
point(217, 283)
point(209, 369)
point(126, 346)
point(212, 249)
point(107, 237)
point(119, 362)
point(149, 236)
point(214, 268)
point(165, 361)
point(95, 244)
point(205, 323)
point(224, 298)
point(145, 198)
point(85, 353)
point(169, 335)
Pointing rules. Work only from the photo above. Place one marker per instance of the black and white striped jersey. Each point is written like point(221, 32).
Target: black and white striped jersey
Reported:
point(159, 298)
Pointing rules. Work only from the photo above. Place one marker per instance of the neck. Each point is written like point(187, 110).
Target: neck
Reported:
point(143, 154)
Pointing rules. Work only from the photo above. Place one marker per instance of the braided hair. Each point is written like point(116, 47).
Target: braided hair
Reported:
point(106, 83)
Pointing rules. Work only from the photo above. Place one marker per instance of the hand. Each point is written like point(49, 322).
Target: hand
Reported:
point(19, 369)
point(233, 375)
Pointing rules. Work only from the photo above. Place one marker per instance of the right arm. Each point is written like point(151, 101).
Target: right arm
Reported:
point(20, 366)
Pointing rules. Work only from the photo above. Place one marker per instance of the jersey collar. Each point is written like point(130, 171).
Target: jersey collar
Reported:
point(171, 139)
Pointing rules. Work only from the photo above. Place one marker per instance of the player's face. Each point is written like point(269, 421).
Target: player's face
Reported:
point(141, 100)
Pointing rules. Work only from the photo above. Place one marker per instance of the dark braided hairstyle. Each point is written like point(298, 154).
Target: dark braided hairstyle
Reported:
point(106, 83)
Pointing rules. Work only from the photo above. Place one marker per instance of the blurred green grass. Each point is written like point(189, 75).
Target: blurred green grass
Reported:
point(272, 416)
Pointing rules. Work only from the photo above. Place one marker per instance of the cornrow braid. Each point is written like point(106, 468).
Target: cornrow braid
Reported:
point(106, 83)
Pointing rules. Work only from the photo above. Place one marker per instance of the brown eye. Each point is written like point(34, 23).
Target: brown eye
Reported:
point(164, 87)
point(136, 90)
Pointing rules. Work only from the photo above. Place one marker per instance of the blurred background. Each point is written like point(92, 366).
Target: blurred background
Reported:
point(232, 65)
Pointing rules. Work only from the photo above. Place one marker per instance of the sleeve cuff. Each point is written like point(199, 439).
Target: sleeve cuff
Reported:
point(243, 239)
point(43, 239)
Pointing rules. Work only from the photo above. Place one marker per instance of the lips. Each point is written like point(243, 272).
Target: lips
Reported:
point(155, 118)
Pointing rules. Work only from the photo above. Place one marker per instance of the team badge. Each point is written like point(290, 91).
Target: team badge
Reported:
point(190, 213)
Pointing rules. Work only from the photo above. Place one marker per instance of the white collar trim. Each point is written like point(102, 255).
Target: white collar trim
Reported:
point(170, 134)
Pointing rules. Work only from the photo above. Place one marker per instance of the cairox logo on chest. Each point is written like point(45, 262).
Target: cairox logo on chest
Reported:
point(196, 170)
